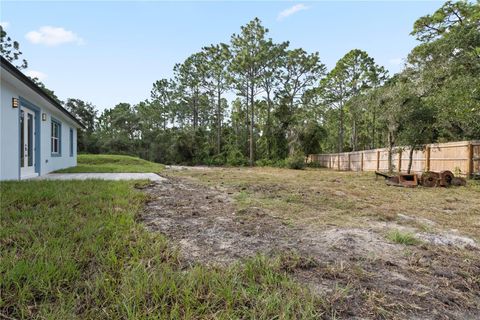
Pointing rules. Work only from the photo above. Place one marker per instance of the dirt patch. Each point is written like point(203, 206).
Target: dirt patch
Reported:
point(355, 270)
point(208, 228)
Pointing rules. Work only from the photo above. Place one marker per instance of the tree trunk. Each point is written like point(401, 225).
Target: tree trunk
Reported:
point(219, 122)
point(195, 112)
point(252, 113)
point(247, 116)
point(354, 135)
point(410, 159)
point(391, 143)
point(340, 130)
point(268, 128)
point(373, 127)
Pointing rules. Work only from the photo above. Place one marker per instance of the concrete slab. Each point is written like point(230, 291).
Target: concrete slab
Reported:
point(101, 176)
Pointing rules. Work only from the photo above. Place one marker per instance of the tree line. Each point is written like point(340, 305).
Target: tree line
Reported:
point(255, 101)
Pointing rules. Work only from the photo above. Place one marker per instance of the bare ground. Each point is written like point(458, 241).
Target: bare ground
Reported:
point(356, 270)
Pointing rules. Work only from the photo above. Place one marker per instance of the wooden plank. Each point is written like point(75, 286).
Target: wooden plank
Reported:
point(378, 160)
point(399, 160)
point(470, 160)
point(427, 159)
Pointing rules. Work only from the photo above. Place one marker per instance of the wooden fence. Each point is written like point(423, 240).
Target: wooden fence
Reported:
point(462, 157)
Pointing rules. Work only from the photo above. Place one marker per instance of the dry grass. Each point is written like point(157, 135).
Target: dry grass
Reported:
point(378, 251)
point(327, 198)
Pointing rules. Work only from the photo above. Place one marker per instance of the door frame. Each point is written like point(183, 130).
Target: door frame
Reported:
point(37, 151)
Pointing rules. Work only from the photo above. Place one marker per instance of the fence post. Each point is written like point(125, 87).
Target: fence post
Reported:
point(378, 160)
point(427, 158)
point(338, 161)
point(470, 160)
point(400, 160)
point(361, 163)
point(349, 165)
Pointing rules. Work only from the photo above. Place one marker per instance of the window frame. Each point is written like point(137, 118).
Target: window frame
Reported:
point(57, 123)
point(71, 143)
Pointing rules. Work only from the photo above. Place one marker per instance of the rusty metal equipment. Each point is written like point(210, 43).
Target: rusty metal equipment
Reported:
point(400, 180)
point(459, 182)
point(446, 178)
point(428, 179)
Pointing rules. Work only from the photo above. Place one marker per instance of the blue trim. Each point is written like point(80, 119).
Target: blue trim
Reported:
point(27, 104)
point(19, 146)
point(59, 123)
point(71, 142)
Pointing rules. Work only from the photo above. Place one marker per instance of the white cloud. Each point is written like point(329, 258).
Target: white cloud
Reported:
point(292, 10)
point(5, 24)
point(396, 61)
point(36, 74)
point(53, 36)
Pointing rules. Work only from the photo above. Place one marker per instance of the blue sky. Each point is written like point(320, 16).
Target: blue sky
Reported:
point(108, 52)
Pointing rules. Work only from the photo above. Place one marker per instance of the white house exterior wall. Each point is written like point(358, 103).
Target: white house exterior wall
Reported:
point(9, 131)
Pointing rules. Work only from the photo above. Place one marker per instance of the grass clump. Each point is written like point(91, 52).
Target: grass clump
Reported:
point(405, 238)
point(112, 163)
point(73, 250)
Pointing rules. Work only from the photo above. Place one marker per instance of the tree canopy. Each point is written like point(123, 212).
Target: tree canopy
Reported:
point(253, 100)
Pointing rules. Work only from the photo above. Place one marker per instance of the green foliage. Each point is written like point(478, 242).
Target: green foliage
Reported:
point(354, 74)
point(296, 161)
point(236, 158)
point(10, 50)
point(286, 102)
point(74, 250)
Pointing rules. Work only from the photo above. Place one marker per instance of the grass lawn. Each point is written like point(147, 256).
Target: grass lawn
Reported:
point(112, 163)
point(73, 250)
point(76, 249)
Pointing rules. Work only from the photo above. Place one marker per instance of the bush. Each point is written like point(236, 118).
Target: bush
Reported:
point(296, 161)
point(265, 163)
point(236, 158)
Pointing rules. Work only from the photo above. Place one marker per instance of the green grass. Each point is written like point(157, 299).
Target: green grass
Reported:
point(112, 163)
point(73, 250)
point(400, 237)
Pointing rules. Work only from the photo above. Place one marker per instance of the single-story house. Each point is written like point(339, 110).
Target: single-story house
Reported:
point(37, 135)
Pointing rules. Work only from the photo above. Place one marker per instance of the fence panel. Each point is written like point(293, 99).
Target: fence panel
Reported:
point(450, 156)
point(462, 157)
point(476, 158)
point(370, 160)
point(418, 160)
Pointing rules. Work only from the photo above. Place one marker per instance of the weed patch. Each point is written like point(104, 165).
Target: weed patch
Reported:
point(400, 237)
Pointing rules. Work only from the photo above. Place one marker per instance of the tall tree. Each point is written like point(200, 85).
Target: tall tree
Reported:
point(190, 77)
point(302, 71)
point(217, 59)
point(249, 49)
point(446, 65)
point(163, 96)
point(353, 74)
point(270, 82)
point(87, 114)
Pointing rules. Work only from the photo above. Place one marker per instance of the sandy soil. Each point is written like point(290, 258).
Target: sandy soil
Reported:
point(357, 270)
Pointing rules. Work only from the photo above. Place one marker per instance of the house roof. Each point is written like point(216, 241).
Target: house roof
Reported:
point(29, 83)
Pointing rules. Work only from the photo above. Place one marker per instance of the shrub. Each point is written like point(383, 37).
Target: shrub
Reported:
point(296, 161)
point(236, 158)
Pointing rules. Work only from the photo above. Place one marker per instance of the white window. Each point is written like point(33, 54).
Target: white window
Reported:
point(56, 138)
